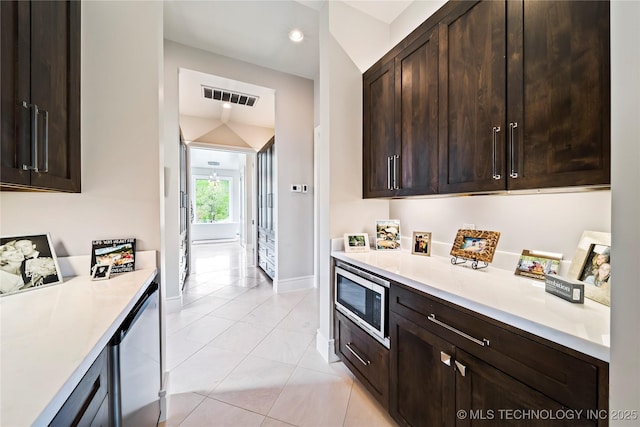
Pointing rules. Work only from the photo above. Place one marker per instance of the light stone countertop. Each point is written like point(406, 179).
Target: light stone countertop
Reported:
point(499, 294)
point(49, 338)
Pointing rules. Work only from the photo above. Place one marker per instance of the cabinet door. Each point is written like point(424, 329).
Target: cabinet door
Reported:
point(472, 88)
point(559, 93)
point(364, 356)
point(489, 397)
point(421, 386)
point(15, 132)
point(55, 88)
point(416, 80)
point(379, 140)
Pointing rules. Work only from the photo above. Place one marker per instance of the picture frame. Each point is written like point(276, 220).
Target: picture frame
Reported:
point(388, 235)
point(475, 245)
point(421, 243)
point(27, 262)
point(537, 264)
point(121, 253)
point(356, 242)
point(101, 271)
point(591, 265)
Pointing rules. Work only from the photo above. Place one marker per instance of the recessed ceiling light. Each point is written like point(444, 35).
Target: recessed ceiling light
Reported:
point(296, 35)
point(226, 105)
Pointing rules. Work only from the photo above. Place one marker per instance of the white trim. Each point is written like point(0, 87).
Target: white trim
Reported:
point(164, 401)
point(173, 304)
point(326, 347)
point(294, 284)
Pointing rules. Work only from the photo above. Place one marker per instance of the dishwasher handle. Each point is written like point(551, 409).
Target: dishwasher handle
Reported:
point(135, 313)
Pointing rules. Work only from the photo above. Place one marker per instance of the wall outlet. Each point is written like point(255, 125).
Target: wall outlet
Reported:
point(468, 226)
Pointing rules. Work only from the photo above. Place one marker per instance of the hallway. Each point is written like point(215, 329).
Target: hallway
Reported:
point(239, 355)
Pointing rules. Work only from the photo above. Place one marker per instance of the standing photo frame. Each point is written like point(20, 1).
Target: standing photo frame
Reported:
point(591, 265)
point(421, 243)
point(474, 245)
point(27, 262)
point(120, 253)
point(537, 265)
point(388, 235)
point(356, 242)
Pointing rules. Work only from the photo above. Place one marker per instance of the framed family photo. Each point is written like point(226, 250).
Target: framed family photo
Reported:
point(476, 245)
point(388, 235)
point(119, 253)
point(591, 265)
point(536, 264)
point(356, 242)
point(27, 262)
point(421, 243)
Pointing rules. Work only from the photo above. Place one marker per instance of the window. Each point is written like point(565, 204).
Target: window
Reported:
point(213, 199)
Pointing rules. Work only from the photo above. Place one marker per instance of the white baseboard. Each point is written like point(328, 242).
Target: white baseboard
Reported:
point(173, 304)
point(294, 284)
point(326, 347)
point(164, 401)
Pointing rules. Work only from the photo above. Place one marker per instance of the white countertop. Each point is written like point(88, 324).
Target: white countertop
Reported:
point(49, 338)
point(498, 294)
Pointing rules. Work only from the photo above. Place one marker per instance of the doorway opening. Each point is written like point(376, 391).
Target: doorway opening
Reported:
point(220, 198)
point(224, 123)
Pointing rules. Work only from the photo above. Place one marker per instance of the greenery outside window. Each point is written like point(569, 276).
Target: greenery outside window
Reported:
point(213, 199)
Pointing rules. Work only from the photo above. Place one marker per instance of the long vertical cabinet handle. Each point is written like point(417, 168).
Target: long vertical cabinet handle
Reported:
point(496, 175)
point(45, 141)
point(514, 173)
point(34, 136)
point(395, 172)
point(389, 187)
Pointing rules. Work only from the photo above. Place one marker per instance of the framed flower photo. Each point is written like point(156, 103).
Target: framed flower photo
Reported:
point(388, 235)
point(591, 265)
point(421, 243)
point(27, 262)
point(356, 242)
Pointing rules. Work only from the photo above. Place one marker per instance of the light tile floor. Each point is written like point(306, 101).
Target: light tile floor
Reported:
point(240, 355)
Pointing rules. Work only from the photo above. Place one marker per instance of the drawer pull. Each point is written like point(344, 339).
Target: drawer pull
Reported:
point(461, 368)
point(445, 358)
point(365, 363)
point(484, 342)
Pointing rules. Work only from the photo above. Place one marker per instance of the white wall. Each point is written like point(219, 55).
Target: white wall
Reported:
point(545, 222)
point(340, 206)
point(121, 54)
point(625, 209)
point(294, 156)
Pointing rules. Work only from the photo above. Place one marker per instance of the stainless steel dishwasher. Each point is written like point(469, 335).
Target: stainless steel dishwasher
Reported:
point(134, 365)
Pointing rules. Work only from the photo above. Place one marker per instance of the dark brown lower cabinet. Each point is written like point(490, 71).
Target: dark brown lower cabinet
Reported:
point(450, 366)
point(422, 388)
point(364, 356)
point(88, 404)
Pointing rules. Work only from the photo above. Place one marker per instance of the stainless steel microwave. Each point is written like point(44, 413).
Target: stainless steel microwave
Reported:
point(363, 298)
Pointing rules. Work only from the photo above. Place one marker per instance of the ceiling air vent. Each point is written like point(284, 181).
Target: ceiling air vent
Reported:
point(228, 96)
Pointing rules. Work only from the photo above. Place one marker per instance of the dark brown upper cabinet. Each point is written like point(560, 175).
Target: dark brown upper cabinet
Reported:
point(379, 141)
point(40, 95)
point(524, 96)
point(400, 135)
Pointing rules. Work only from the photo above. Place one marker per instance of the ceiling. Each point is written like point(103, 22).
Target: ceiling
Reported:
point(254, 32)
point(257, 31)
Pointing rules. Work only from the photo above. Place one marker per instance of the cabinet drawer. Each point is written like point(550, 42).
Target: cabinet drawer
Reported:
point(571, 380)
point(365, 357)
point(88, 398)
